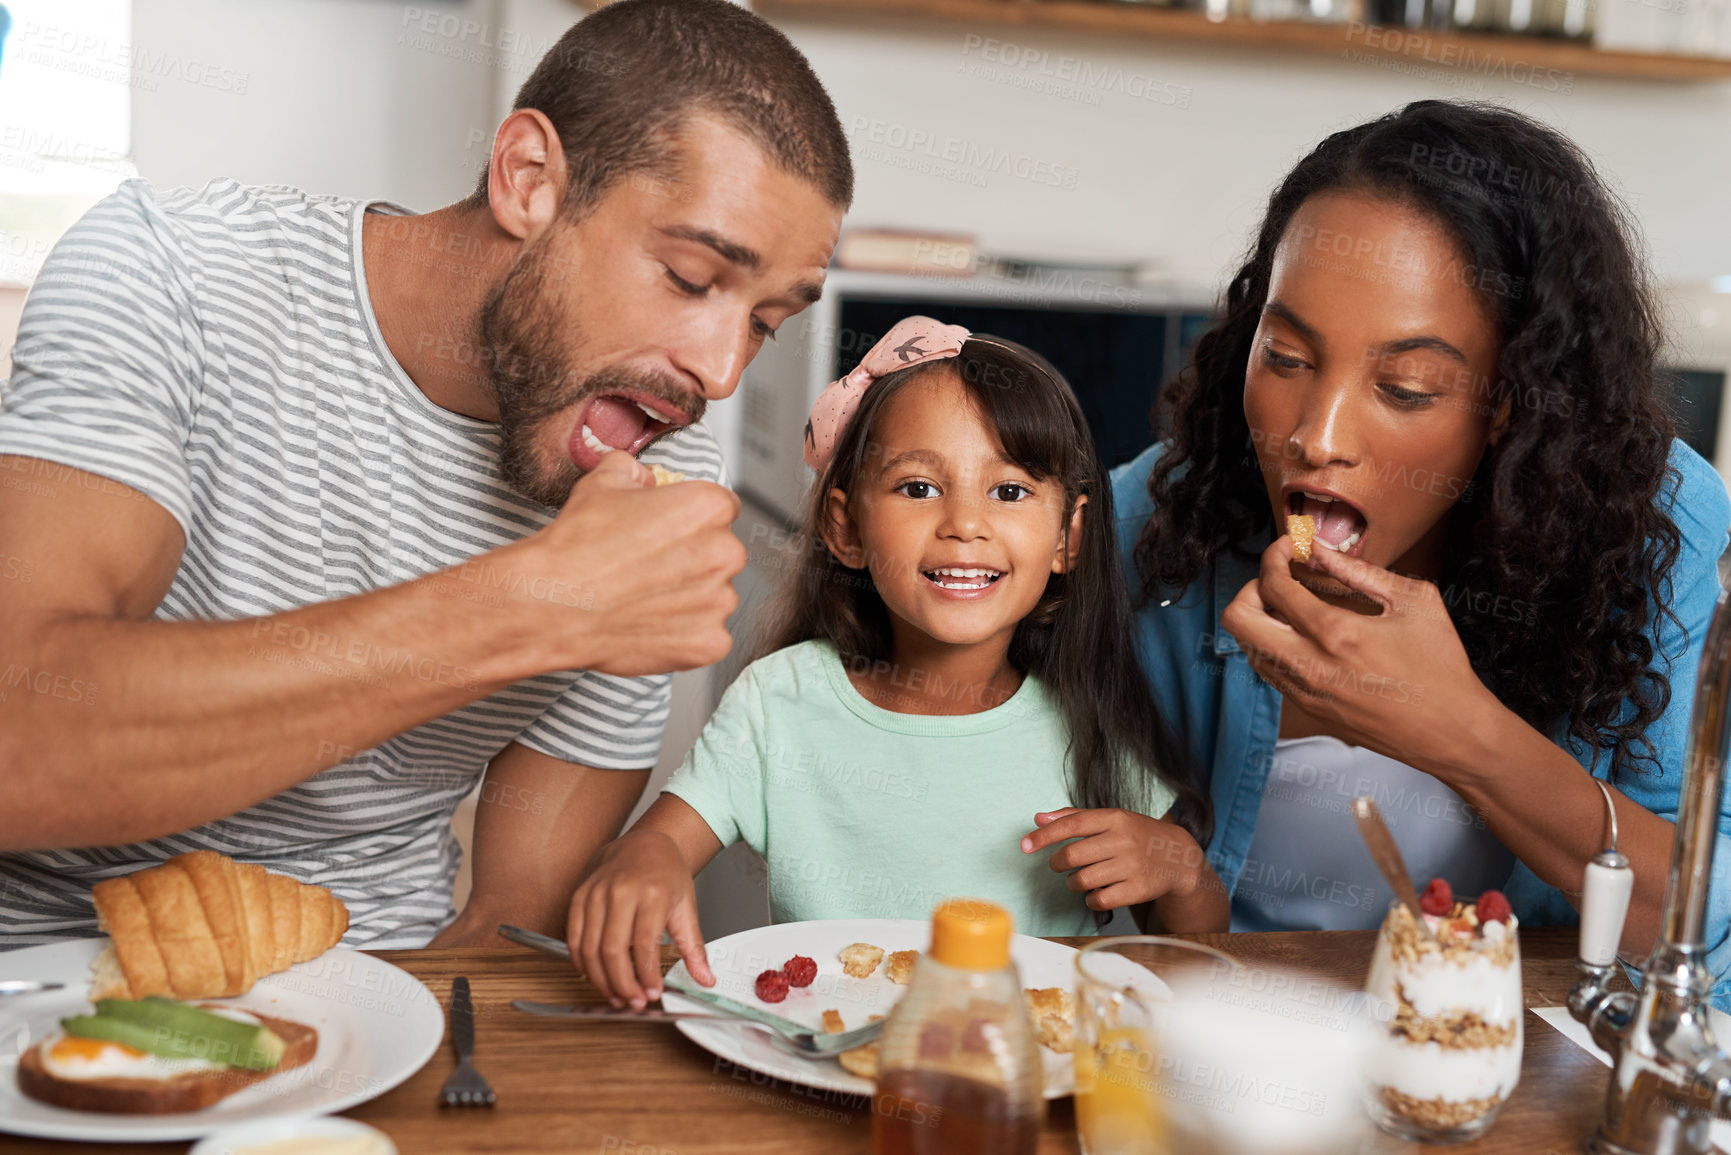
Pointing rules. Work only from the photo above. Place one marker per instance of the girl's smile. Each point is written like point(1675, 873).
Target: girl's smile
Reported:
point(964, 581)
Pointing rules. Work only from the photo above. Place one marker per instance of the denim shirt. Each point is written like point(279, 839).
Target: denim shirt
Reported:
point(1230, 717)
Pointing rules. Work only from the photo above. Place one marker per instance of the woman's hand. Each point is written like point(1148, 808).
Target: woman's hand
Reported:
point(1122, 858)
point(1397, 682)
point(641, 885)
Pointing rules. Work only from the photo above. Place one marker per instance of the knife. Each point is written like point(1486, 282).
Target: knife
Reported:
point(691, 990)
point(535, 941)
point(553, 946)
point(647, 1014)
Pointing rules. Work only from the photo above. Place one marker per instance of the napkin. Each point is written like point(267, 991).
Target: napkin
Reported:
point(1576, 1033)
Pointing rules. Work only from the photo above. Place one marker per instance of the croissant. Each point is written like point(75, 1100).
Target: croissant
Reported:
point(203, 926)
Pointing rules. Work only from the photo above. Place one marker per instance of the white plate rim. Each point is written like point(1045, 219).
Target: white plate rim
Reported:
point(826, 1074)
point(423, 1031)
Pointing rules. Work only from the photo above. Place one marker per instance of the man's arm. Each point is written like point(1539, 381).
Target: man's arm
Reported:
point(540, 824)
point(116, 728)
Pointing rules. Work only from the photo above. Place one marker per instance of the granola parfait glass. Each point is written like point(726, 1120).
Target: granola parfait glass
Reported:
point(1447, 1053)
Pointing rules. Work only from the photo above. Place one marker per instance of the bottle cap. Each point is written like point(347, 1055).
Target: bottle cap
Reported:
point(971, 934)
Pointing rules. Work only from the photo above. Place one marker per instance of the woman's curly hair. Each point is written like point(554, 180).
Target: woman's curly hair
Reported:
point(1564, 512)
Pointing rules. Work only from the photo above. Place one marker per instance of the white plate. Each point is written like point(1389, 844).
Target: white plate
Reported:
point(261, 1131)
point(377, 1025)
point(738, 959)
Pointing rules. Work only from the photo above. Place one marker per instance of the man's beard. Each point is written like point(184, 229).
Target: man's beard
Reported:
point(535, 386)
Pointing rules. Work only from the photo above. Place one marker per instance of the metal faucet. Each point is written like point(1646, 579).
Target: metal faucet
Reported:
point(1669, 1077)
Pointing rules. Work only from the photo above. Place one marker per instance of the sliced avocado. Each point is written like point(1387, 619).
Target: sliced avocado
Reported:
point(176, 1031)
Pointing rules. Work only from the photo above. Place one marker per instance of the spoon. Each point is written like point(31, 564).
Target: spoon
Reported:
point(1387, 857)
point(26, 987)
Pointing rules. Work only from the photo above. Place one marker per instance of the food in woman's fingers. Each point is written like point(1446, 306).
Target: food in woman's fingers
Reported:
point(1334, 522)
point(666, 476)
point(1301, 527)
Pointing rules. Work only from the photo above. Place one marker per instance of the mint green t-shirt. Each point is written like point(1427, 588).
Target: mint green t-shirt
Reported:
point(861, 812)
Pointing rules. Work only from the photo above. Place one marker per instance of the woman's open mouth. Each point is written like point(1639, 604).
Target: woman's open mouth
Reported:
point(963, 579)
point(1339, 524)
point(620, 421)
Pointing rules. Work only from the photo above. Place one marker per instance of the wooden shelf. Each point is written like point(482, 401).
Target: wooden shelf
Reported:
point(1517, 58)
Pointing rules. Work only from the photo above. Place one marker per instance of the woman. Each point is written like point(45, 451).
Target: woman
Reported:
point(1442, 347)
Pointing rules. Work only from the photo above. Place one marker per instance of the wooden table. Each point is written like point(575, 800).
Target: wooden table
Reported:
point(644, 1089)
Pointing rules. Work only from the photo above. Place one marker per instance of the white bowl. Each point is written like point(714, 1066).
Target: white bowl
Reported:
point(230, 1140)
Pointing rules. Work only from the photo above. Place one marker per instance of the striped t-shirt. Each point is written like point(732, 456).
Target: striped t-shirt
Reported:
point(216, 351)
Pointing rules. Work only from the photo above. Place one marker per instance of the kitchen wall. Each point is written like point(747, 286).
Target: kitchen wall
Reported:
point(349, 97)
point(1179, 176)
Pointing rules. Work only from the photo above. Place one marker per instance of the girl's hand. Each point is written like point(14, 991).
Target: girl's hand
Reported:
point(641, 885)
point(1122, 858)
point(1398, 682)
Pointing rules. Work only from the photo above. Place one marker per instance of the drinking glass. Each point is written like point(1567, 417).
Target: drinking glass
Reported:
point(1120, 984)
point(1182, 1050)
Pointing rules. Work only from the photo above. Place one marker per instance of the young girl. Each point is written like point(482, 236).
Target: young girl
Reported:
point(950, 676)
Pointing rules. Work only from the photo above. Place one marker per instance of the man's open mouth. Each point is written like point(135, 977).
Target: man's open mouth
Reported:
point(1339, 524)
point(621, 421)
point(963, 577)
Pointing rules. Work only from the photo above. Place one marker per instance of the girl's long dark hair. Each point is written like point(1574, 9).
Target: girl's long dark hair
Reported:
point(1562, 517)
point(1077, 640)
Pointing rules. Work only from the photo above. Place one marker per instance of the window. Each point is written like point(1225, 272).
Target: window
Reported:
point(66, 77)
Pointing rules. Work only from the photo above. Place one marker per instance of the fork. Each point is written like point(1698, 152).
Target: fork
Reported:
point(465, 1087)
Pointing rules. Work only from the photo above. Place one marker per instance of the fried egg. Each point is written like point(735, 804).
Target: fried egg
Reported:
point(74, 1057)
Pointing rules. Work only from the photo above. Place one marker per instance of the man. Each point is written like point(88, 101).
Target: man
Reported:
point(320, 507)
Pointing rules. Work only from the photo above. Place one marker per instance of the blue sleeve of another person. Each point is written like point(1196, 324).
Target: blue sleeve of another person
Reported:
point(1702, 512)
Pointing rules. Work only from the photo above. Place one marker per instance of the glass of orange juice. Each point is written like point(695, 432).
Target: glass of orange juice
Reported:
point(1182, 1050)
point(1120, 985)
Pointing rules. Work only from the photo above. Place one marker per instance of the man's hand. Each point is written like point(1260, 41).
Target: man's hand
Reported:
point(642, 885)
point(630, 578)
point(1122, 858)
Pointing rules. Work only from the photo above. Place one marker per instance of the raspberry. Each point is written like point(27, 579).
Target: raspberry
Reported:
point(1493, 907)
point(800, 971)
point(772, 986)
point(1438, 898)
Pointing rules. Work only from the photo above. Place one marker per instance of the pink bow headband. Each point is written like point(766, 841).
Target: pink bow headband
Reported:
point(910, 341)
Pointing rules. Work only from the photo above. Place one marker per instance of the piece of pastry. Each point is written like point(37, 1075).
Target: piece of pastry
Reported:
point(1302, 528)
point(860, 959)
point(1053, 1010)
point(863, 1060)
point(202, 926)
point(666, 476)
point(832, 1022)
point(900, 967)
